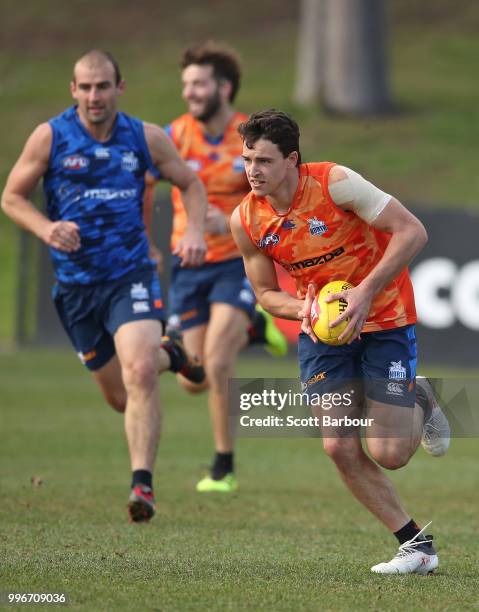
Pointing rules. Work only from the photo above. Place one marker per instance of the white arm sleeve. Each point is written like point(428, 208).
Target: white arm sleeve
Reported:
point(362, 197)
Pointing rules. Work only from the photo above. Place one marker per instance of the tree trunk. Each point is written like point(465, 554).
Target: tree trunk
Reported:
point(342, 56)
point(309, 73)
point(355, 69)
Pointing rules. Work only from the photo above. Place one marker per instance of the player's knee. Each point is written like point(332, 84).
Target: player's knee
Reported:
point(217, 370)
point(140, 374)
point(117, 400)
point(342, 451)
point(390, 456)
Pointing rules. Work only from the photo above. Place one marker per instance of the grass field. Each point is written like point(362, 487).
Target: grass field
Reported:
point(290, 539)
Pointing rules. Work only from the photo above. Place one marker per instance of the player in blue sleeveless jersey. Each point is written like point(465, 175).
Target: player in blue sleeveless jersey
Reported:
point(93, 160)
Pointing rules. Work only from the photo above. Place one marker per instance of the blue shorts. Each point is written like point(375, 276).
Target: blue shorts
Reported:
point(193, 290)
point(91, 314)
point(383, 361)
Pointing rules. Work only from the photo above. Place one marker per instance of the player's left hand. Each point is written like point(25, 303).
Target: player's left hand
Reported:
point(191, 248)
point(305, 313)
point(359, 303)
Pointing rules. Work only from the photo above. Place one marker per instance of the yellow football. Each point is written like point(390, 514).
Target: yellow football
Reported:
point(323, 313)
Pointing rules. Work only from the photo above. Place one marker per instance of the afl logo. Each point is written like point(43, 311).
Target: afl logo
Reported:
point(268, 240)
point(76, 162)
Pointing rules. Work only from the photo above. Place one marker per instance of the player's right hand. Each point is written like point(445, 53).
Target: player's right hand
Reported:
point(63, 235)
point(305, 313)
point(191, 248)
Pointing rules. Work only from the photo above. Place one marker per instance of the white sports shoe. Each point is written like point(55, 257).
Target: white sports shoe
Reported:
point(436, 433)
point(413, 557)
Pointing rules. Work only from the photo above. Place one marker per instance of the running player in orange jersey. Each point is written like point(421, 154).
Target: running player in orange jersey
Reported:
point(214, 305)
point(324, 222)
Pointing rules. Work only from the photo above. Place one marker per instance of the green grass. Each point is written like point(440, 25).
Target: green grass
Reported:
point(292, 538)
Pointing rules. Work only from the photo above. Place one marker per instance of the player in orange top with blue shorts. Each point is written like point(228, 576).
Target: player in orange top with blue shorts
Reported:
point(324, 222)
point(214, 305)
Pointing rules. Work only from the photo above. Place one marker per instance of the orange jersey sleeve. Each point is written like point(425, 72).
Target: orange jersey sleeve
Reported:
point(316, 241)
point(219, 165)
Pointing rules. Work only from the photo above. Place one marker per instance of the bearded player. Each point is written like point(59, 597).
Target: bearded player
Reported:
point(322, 222)
point(214, 303)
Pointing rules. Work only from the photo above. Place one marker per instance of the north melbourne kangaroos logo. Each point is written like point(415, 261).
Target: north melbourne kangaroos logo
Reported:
point(129, 161)
point(397, 371)
point(317, 227)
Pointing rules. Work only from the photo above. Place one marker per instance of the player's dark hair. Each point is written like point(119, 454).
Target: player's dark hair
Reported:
point(225, 62)
point(274, 125)
point(99, 54)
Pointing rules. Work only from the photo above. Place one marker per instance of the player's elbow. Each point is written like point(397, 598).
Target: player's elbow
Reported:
point(5, 203)
point(421, 237)
point(194, 183)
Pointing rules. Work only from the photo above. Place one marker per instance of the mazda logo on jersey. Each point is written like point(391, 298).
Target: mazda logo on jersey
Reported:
point(314, 261)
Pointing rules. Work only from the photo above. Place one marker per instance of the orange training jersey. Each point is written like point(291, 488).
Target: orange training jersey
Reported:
point(220, 166)
point(316, 241)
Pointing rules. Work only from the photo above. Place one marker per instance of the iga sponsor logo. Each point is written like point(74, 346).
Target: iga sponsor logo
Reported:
point(76, 162)
point(397, 371)
point(269, 239)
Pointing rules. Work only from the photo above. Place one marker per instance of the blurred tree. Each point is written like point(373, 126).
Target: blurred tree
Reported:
point(342, 58)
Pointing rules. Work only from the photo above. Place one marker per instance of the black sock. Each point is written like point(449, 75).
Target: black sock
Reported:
point(423, 401)
point(222, 465)
point(257, 329)
point(142, 477)
point(408, 532)
point(176, 354)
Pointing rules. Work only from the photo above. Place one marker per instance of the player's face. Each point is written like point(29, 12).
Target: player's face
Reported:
point(201, 92)
point(96, 92)
point(266, 168)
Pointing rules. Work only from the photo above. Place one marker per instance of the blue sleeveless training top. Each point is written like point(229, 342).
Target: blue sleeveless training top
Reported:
point(99, 186)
